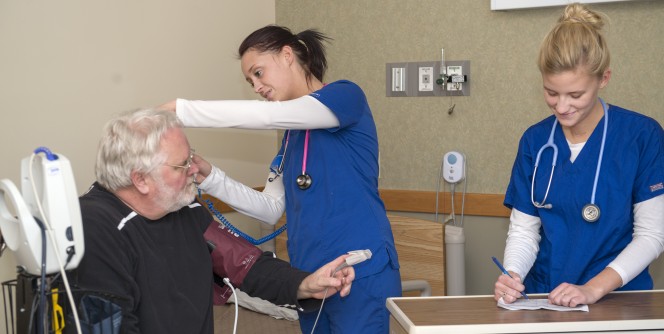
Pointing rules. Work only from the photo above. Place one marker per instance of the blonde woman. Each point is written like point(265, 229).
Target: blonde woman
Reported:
point(587, 186)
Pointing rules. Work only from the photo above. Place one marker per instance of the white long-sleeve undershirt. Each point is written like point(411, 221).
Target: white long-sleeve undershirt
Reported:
point(267, 206)
point(302, 113)
point(647, 244)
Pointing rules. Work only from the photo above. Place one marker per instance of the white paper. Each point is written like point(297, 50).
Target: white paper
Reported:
point(535, 304)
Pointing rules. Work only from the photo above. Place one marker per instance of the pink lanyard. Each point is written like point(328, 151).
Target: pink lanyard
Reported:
point(306, 150)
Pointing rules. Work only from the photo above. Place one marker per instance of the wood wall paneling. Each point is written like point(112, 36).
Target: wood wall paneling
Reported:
point(488, 205)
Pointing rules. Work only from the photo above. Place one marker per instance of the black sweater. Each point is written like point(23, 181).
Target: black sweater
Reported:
point(161, 271)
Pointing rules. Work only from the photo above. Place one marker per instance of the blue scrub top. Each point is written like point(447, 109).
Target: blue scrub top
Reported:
point(342, 210)
point(571, 249)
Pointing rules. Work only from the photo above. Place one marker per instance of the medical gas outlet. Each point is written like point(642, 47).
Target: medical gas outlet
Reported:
point(416, 79)
point(426, 79)
point(453, 79)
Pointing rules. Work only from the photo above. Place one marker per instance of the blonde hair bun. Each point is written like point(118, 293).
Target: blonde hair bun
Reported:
point(576, 40)
point(578, 13)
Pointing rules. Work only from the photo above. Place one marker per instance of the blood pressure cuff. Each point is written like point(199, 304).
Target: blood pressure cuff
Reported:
point(232, 258)
point(100, 316)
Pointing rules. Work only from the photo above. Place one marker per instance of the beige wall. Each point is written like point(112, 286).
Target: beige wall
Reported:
point(66, 67)
point(506, 95)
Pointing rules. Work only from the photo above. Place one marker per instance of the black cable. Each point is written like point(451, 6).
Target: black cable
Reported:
point(69, 257)
point(32, 313)
point(42, 288)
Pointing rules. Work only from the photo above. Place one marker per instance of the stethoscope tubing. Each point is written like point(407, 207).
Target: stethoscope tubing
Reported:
point(550, 144)
point(601, 151)
point(553, 146)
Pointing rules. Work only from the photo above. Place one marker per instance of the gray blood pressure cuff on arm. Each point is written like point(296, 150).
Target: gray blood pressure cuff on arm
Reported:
point(232, 258)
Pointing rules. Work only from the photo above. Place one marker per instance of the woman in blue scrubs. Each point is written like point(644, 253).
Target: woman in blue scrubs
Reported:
point(587, 186)
point(325, 176)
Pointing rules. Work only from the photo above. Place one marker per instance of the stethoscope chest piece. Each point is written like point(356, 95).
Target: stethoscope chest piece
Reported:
point(590, 213)
point(303, 181)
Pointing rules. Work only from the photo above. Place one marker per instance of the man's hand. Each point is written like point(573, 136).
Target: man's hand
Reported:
point(326, 278)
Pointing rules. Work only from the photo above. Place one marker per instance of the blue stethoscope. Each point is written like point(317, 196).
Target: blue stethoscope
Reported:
point(590, 211)
point(303, 180)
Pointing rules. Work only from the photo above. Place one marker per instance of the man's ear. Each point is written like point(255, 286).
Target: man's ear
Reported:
point(140, 182)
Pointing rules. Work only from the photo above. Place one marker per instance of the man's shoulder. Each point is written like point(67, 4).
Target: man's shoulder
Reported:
point(103, 212)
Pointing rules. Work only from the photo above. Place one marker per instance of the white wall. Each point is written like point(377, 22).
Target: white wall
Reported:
point(66, 67)
point(520, 4)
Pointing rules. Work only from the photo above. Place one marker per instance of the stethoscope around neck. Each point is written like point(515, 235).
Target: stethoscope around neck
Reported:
point(303, 180)
point(590, 211)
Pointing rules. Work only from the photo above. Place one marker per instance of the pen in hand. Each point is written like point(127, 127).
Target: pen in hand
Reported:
point(500, 266)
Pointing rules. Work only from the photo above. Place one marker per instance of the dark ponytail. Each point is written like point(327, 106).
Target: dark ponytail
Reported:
point(308, 47)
